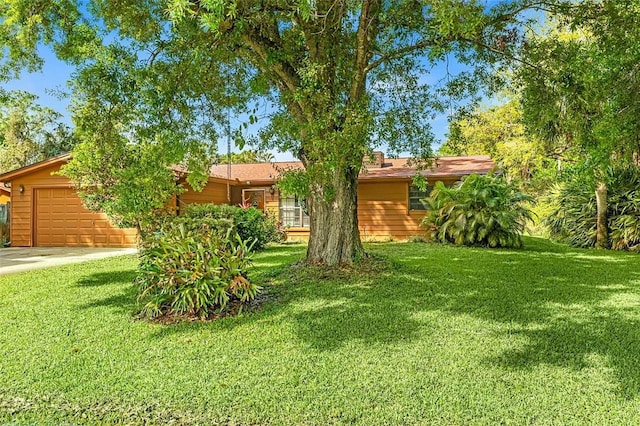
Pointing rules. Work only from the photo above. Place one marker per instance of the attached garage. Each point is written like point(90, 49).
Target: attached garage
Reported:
point(61, 220)
point(47, 212)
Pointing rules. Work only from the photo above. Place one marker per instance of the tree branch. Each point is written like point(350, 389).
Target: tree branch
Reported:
point(364, 35)
point(400, 53)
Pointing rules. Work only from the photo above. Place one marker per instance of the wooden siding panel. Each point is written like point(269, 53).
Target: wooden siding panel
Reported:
point(383, 212)
point(213, 192)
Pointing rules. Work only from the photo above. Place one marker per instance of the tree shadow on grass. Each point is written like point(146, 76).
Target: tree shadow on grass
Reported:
point(98, 282)
point(569, 304)
point(106, 278)
point(370, 310)
point(326, 309)
point(572, 343)
point(124, 302)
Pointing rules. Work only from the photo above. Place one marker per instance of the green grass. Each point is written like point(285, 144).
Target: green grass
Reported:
point(543, 335)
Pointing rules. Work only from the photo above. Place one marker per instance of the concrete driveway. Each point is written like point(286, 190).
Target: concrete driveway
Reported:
point(19, 259)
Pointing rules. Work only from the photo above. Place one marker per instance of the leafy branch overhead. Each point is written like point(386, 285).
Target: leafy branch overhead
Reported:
point(334, 78)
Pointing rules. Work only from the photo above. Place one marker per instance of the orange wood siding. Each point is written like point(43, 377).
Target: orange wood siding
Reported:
point(214, 192)
point(298, 235)
point(54, 213)
point(383, 211)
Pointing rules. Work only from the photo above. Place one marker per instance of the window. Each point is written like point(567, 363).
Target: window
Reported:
point(293, 213)
point(416, 196)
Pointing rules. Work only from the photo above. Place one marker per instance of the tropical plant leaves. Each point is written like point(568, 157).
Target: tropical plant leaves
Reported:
point(481, 210)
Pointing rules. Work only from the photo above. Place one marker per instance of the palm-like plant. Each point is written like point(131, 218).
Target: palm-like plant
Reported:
point(481, 210)
point(573, 218)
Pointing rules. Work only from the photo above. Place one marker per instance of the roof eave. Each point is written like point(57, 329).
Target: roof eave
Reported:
point(10, 175)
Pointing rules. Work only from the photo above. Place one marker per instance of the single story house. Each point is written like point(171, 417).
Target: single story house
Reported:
point(46, 211)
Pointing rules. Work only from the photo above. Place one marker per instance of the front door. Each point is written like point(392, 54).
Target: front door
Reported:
point(253, 198)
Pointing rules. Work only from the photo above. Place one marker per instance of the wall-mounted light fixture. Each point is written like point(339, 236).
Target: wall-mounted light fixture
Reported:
point(7, 184)
point(272, 190)
point(21, 189)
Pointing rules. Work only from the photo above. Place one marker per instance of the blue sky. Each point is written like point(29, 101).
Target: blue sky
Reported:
point(53, 77)
point(51, 81)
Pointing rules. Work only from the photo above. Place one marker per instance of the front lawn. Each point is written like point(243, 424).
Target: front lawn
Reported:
point(444, 335)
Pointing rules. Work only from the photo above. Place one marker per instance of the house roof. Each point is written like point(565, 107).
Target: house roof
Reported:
point(394, 168)
point(58, 159)
point(266, 173)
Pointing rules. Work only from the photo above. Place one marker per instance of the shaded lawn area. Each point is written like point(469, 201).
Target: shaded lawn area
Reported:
point(448, 335)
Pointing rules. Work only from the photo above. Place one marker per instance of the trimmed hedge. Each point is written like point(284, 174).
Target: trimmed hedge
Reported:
point(250, 223)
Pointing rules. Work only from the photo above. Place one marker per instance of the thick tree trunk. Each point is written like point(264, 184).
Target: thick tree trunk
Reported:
point(602, 231)
point(335, 238)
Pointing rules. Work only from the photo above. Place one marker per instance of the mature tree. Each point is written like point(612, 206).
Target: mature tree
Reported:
point(585, 91)
point(30, 132)
point(498, 131)
point(248, 156)
point(341, 76)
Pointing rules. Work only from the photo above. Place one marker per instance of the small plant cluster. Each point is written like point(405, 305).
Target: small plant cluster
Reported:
point(191, 271)
point(481, 210)
point(197, 262)
point(573, 216)
point(250, 223)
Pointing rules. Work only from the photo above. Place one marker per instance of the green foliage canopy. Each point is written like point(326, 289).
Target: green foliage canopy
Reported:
point(30, 132)
point(498, 131)
point(584, 93)
point(340, 77)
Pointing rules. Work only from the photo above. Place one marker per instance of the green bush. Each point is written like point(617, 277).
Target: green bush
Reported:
point(250, 223)
point(481, 210)
point(189, 270)
point(573, 217)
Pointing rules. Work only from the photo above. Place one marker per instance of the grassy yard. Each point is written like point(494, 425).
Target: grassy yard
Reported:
point(543, 335)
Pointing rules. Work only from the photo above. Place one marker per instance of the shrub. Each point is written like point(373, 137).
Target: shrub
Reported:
point(481, 210)
point(250, 223)
point(187, 270)
point(573, 217)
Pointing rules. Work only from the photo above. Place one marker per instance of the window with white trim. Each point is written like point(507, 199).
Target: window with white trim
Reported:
point(416, 196)
point(293, 213)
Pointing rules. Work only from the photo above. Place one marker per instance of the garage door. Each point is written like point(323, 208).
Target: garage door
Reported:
point(62, 220)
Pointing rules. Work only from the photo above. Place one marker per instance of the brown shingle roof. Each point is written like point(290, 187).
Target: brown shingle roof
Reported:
point(267, 173)
point(393, 169)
